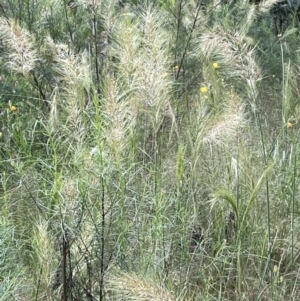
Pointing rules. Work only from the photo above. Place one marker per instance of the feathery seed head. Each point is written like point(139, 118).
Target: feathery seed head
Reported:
point(235, 53)
point(138, 289)
point(226, 126)
point(19, 44)
point(119, 116)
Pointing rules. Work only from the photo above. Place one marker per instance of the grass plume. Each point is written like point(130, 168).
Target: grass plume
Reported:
point(21, 52)
point(137, 289)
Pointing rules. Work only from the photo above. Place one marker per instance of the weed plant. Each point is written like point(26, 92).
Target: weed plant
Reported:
point(149, 151)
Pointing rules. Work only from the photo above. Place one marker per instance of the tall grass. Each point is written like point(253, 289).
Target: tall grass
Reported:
point(148, 152)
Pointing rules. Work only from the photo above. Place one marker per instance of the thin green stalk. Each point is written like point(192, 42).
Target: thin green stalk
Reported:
point(103, 225)
point(239, 269)
point(263, 275)
point(268, 204)
point(285, 99)
point(238, 183)
point(293, 202)
point(5, 199)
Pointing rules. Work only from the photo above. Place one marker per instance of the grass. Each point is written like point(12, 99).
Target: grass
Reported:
point(148, 152)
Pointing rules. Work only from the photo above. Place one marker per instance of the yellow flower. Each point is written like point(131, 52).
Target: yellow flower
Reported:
point(13, 108)
point(165, 75)
point(216, 65)
point(203, 90)
point(175, 68)
point(289, 125)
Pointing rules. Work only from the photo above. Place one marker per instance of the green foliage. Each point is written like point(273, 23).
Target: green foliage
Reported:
point(167, 4)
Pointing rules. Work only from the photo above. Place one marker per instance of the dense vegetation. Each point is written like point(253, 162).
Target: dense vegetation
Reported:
point(149, 151)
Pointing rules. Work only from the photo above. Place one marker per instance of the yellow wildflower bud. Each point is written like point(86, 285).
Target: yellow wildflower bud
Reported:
point(175, 68)
point(289, 125)
point(216, 65)
point(165, 75)
point(13, 108)
point(203, 90)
